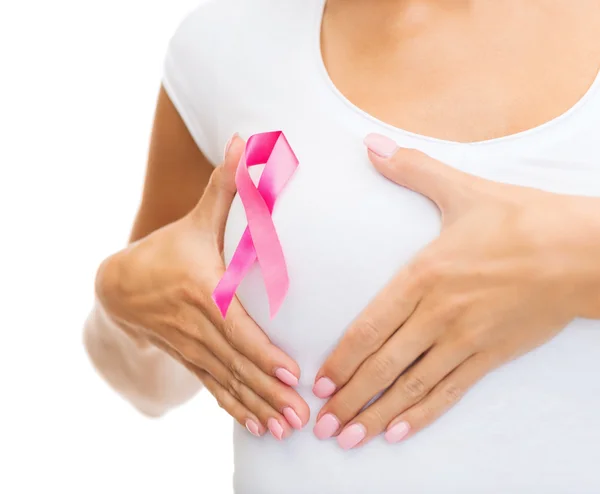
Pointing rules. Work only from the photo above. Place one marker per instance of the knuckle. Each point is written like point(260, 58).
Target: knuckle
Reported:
point(179, 319)
point(185, 335)
point(377, 418)
point(366, 334)
point(217, 178)
point(383, 368)
point(466, 341)
point(189, 290)
point(274, 397)
point(450, 311)
point(237, 368)
point(342, 407)
point(474, 339)
point(410, 158)
point(452, 393)
point(428, 271)
point(424, 415)
point(234, 387)
point(229, 330)
point(221, 180)
point(414, 386)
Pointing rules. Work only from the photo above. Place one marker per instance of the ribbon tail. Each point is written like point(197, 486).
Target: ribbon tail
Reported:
point(277, 291)
point(241, 262)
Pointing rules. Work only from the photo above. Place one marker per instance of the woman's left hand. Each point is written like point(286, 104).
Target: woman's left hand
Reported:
point(511, 268)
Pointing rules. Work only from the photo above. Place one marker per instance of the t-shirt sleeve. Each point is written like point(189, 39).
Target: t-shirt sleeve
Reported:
point(190, 76)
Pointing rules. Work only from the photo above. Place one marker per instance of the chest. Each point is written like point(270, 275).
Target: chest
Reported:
point(346, 230)
point(464, 75)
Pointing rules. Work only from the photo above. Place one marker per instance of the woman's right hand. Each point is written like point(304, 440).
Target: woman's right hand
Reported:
point(159, 289)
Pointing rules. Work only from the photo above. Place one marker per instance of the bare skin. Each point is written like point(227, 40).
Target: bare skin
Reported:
point(493, 68)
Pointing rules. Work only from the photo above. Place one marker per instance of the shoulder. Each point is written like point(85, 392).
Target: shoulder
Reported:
point(191, 69)
point(232, 27)
point(205, 24)
point(226, 48)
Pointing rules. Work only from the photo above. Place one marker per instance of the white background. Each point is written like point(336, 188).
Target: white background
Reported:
point(78, 84)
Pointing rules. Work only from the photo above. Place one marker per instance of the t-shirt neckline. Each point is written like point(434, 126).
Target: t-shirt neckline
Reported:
point(367, 117)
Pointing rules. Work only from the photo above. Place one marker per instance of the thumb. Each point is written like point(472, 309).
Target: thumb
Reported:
point(213, 208)
point(447, 187)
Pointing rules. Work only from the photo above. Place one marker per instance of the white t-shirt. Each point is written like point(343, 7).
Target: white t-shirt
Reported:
point(533, 425)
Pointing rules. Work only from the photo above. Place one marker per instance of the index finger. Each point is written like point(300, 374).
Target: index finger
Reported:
point(243, 334)
point(386, 313)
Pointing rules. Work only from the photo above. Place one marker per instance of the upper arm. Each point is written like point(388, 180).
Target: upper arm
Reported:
point(189, 136)
point(176, 175)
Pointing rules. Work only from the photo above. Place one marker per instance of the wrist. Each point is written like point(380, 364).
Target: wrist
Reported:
point(109, 295)
point(585, 256)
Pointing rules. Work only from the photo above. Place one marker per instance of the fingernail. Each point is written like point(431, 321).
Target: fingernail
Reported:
point(228, 145)
point(324, 388)
point(381, 145)
point(253, 427)
point(292, 417)
point(275, 428)
point(286, 377)
point(398, 432)
point(326, 427)
point(351, 436)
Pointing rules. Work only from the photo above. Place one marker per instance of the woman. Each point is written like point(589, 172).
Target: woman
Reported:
point(487, 112)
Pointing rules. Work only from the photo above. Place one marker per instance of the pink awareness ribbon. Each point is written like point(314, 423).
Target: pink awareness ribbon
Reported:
point(260, 241)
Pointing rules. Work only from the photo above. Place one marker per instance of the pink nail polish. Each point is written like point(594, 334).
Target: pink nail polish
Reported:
point(324, 388)
point(292, 417)
point(286, 377)
point(351, 436)
point(326, 427)
point(381, 145)
point(275, 428)
point(252, 427)
point(397, 432)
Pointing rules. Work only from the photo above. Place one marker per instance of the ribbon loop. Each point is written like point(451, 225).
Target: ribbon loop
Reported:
point(259, 240)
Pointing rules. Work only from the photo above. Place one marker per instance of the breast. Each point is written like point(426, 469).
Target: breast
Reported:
point(344, 236)
point(345, 232)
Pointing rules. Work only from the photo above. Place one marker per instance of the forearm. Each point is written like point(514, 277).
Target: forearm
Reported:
point(144, 375)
